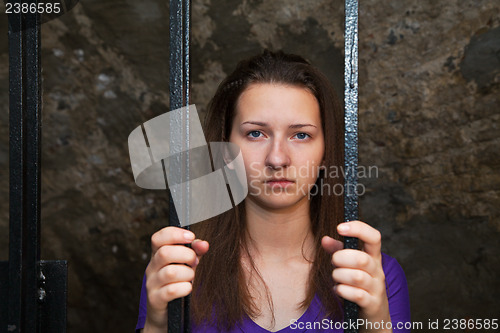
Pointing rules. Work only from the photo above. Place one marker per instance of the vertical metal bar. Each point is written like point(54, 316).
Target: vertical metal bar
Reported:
point(16, 172)
point(33, 168)
point(175, 307)
point(24, 206)
point(351, 135)
point(186, 31)
point(178, 310)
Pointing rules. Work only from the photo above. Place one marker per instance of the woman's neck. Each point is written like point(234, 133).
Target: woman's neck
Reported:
point(279, 235)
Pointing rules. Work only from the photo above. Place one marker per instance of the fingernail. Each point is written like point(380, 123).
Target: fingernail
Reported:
point(188, 236)
point(343, 227)
point(197, 261)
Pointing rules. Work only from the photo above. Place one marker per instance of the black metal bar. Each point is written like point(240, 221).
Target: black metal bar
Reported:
point(186, 32)
point(24, 168)
point(32, 170)
point(178, 309)
point(351, 136)
point(31, 301)
point(175, 307)
point(16, 171)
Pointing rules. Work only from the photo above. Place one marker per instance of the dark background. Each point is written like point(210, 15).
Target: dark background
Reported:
point(429, 103)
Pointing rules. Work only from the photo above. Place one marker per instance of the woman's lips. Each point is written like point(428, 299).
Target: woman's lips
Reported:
point(279, 182)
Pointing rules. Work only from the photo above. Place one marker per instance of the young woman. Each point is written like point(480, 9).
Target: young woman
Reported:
point(276, 261)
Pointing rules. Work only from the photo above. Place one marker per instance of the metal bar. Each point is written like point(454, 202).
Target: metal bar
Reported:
point(33, 170)
point(351, 136)
point(34, 302)
point(186, 30)
point(175, 307)
point(24, 205)
point(178, 310)
point(16, 163)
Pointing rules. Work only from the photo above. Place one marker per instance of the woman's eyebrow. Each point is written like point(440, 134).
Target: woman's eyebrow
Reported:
point(300, 125)
point(259, 123)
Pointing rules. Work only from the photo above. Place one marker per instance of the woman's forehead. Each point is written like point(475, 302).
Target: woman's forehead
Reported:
point(277, 103)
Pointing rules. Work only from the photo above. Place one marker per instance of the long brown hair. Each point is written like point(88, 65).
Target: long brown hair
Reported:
point(220, 293)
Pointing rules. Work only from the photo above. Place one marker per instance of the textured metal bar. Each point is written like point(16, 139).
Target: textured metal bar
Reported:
point(16, 179)
point(187, 197)
point(175, 307)
point(351, 135)
point(24, 206)
point(178, 310)
point(33, 170)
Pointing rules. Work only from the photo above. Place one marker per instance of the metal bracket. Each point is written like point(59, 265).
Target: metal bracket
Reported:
point(51, 298)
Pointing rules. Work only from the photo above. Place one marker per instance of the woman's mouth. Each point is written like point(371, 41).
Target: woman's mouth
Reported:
point(279, 182)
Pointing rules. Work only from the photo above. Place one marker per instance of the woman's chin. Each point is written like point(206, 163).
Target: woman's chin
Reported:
point(277, 201)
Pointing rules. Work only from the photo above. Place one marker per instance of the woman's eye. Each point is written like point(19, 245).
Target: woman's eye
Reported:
point(254, 134)
point(302, 136)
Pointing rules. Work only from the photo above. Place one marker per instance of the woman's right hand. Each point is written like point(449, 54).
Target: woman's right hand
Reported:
point(170, 272)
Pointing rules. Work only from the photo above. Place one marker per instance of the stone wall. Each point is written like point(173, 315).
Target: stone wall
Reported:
point(429, 121)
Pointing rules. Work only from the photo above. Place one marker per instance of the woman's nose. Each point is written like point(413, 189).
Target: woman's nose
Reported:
point(277, 156)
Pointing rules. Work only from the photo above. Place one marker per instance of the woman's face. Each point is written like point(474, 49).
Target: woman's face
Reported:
point(278, 128)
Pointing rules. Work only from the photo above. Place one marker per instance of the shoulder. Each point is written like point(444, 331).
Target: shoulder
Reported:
point(394, 274)
point(391, 267)
point(397, 291)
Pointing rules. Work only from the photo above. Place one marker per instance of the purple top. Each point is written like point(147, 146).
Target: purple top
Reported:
point(312, 320)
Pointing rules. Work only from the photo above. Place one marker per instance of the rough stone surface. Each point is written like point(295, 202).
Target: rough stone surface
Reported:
point(429, 121)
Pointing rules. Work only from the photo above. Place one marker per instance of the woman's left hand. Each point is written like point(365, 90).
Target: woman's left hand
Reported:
point(359, 274)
